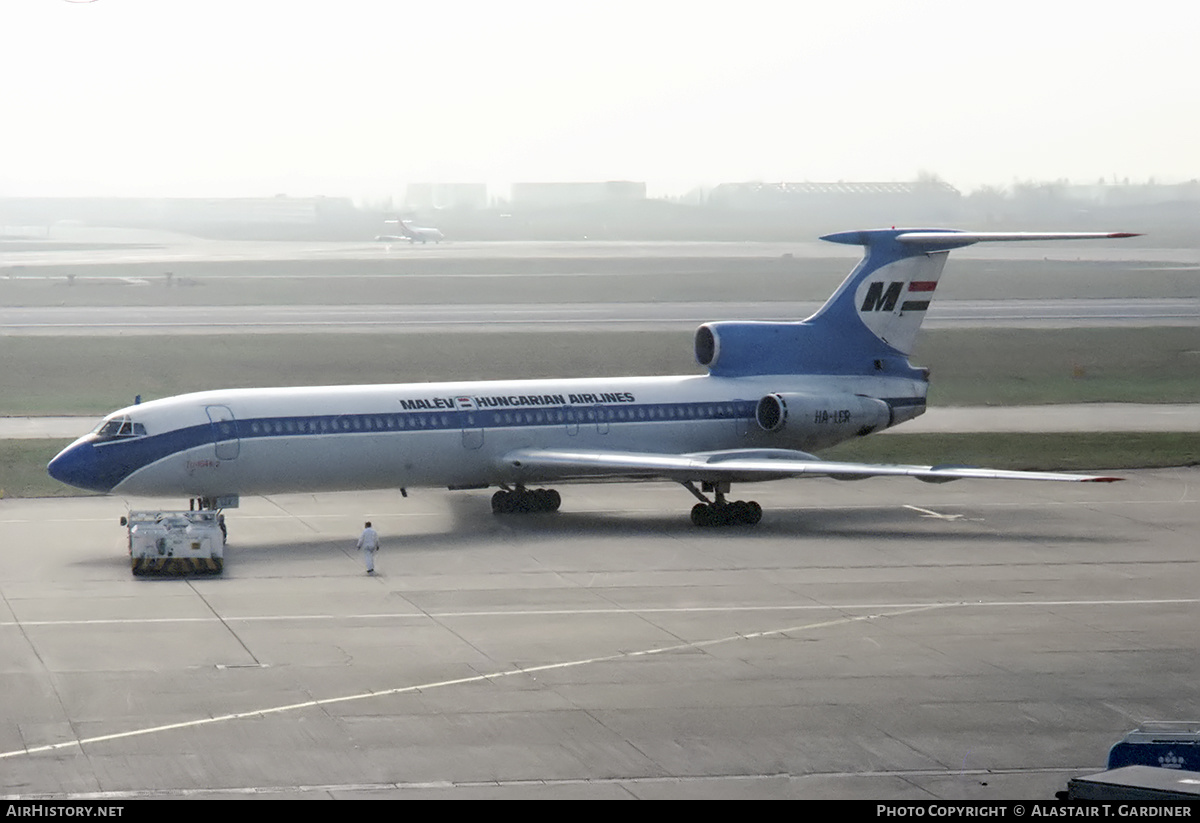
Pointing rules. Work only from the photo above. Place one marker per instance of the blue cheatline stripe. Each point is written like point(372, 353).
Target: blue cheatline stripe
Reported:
point(524, 417)
point(120, 457)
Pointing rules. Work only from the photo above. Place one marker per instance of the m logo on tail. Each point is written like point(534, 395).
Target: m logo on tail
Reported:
point(879, 300)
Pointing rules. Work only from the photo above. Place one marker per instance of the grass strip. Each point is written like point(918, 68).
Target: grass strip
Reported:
point(94, 375)
point(1075, 451)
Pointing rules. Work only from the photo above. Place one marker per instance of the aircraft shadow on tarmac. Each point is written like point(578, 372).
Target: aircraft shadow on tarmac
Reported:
point(883, 527)
point(472, 525)
point(473, 521)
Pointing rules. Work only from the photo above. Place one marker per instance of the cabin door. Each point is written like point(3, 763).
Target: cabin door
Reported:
point(224, 432)
point(472, 431)
point(601, 413)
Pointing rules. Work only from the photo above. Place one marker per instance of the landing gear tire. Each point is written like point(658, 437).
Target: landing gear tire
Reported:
point(526, 501)
point(738, 513)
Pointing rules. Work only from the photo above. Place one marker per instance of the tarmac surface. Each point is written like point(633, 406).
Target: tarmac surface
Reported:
point(880, 639)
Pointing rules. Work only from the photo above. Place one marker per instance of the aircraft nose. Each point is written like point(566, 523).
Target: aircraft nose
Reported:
point(77, 465)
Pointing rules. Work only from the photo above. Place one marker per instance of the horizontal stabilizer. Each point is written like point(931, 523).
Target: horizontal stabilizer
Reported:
point(964, 238)
point(943, 239)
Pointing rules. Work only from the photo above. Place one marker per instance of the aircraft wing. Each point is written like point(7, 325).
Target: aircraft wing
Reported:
point(738, 466)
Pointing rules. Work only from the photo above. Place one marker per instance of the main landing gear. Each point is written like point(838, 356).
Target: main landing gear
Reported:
point(720, 512)
point(525, 501)
point(716, 512)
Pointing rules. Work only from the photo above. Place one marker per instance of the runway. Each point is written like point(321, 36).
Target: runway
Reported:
point(881, 639)
point(628, 316)
point(96, 245)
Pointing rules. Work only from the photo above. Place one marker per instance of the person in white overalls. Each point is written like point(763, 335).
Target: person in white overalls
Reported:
point(368, 542)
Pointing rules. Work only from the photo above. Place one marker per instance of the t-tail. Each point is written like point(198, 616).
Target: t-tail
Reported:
point(870, 324)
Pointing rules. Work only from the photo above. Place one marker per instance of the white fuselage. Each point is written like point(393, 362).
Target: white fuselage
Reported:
point(267, 441)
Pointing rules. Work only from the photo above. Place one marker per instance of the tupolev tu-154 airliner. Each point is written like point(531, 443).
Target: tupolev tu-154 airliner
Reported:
point(775, 392)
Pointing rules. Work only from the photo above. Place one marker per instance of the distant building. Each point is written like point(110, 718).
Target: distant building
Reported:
point(244, 210)
point(263, 217)
point(576, 194)
point(96, 211)
point(156, 212)
point(1134, 194)
point(428, 196)
point(803, 196)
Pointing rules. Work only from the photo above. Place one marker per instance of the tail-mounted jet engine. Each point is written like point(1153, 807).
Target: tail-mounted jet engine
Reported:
point(830, 418)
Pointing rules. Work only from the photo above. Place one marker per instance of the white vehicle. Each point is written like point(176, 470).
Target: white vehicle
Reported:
point(175, 542)
point(774, 393)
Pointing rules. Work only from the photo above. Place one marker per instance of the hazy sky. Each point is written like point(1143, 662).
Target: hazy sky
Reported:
point(359, 97)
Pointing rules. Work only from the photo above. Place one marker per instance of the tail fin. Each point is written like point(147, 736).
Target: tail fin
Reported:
point(870, 323)
point(890, 290)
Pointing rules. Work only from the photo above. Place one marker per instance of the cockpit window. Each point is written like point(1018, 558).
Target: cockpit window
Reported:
point(119, 427)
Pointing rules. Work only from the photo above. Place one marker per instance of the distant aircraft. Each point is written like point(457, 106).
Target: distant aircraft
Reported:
point(411, 232)
point(774, 393)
